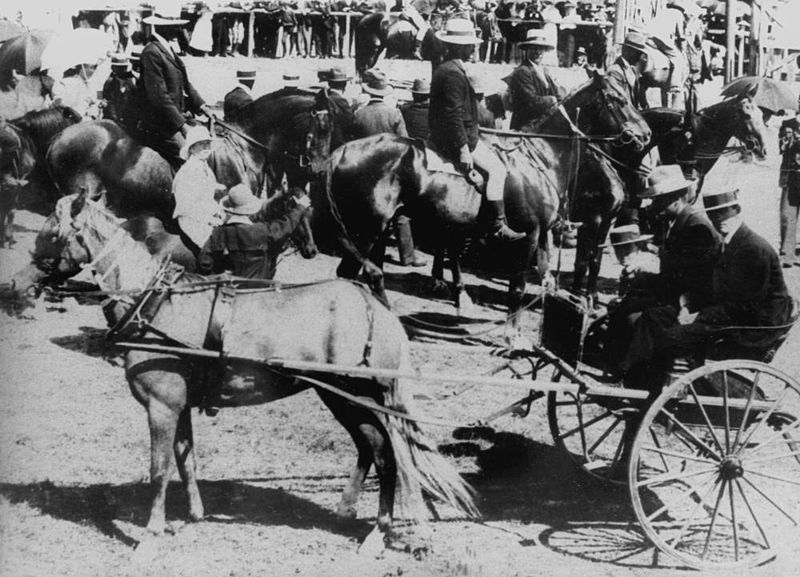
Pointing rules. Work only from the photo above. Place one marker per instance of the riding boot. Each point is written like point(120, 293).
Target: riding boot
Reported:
point(417, 49)
point(405, 242)
point(498, 227)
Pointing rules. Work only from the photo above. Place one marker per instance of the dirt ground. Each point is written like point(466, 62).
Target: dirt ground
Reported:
point(74, 447)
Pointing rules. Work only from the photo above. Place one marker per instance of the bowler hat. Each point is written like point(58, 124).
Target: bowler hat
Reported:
point(636, 39)
point(459, 31)
point(535, 37)
point(165, 13)
point(625, 234)
point(240, 200)
point(421, 86)
point(665, 179)
point(376, 83)
point(717, 200)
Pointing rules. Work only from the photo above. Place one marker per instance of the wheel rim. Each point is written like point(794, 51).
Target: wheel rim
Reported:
point(713, 477)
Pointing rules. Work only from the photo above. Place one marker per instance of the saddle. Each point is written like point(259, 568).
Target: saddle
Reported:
point(435, 162)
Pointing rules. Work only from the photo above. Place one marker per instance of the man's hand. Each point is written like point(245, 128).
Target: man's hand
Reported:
point(206, 109)
point(465, 158)
point(303, 200)
point(685, 317)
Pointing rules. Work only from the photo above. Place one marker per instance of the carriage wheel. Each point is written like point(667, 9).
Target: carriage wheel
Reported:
point(714, 470)
point(593, 431)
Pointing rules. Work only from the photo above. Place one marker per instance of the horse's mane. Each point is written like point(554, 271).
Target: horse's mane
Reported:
point(277, 109)
point(42, 125)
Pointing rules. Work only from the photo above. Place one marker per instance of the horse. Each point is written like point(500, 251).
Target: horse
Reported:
point(288, 134)
point(377, 32)
point(34, 131)
point(694, 141)
point(333, 322)
point(369, 180)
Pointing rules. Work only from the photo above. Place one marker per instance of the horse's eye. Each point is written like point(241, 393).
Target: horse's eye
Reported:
point(54, 239)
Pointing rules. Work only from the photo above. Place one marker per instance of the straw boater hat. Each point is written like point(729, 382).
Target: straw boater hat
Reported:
point(241, 201)
point(459, 31)
point(165, 13)
point(540, 38)
point(119, 62)
point(421, 86)
point(376, 83)
point(194, 135)
point(248, 74)
point(665, 179)
point(291, 78)
point(636, 39)
point(717, 200)
point(581, 50)
point(625, 234)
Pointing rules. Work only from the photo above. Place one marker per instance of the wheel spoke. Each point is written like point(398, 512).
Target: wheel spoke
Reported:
point(658, 444)
point(766, 417)
point(679, 455)
point(727, 413)
point(769, 500)
point(775, 477)
point(692, 437)
point(747, 407)
point(605, 434)
point(706, 419)
point(582, 426)
point(692, 517)
point(776, 436)
point(667, 477)
point(692, 490)
point(749, 462)
point(752, 513)
point(713, 518)
point(733, 524)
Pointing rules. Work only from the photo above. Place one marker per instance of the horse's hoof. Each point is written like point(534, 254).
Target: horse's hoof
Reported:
point(439, 289)
point(346, 513)
point(374, 545)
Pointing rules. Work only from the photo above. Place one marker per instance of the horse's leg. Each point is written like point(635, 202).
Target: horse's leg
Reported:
point(464, 304)
point(163, 423)
point(438, 285)
point(594, 265)
point(517, 281)
point(187, 467)
point(586, 253)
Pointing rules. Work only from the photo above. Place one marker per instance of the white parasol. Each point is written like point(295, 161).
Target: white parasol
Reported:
point(79, 46)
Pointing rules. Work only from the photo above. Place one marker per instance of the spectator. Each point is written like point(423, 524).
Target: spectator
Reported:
point(202, 41)
point(377, 116)
point(118, 90)
point(415, 113)
point(238, 99)
point(789, 144)
point(533, 91)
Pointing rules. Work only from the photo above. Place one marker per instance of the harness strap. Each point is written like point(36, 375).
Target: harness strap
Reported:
point(368, 346)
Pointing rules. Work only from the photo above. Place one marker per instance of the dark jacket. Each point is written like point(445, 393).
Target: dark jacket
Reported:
point(627, 79)
point(529, 94)
point(378, 117)
point(341, 110)
point(453, 113)
point(748, 290)
point(118, 92)
point(415, 115)
point(234, 103)
point(167, 90)
point(247, 250)
point(687, 259)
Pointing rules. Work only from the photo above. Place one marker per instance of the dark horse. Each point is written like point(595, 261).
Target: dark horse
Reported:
point(377, 32)
point(694, 140)
point(34, 132)
point(288, 134)
point(334, 322)
point(370, 179)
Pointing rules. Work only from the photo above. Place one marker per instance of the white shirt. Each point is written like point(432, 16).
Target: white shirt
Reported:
point(734, 222)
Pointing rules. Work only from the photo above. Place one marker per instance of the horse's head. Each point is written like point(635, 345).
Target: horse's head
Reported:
point(748, 126)
point(602, 108)
point(279, 205)
point(317, 137)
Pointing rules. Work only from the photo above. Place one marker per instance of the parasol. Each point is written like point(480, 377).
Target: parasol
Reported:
point(767, 93)
point(79, 46)
point(10, 29)
point(23, 53)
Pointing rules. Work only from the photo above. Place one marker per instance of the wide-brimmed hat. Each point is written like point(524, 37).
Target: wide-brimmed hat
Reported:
point(376, 83)
point(625, 234)
point(336, 74)
point(665, 179)
point(248, 74)
point(580, 51)
point(241, 201)
point(421, 86)
point(717, 200)
point(636, 39)
point(536, 37)
point(459, 31)
point(165, 13)
point(194, 135)
point(136, 52)
point(120, 61)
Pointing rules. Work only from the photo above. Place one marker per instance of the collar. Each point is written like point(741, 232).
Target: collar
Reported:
point(163, 41)
point(238, 219)
point(375, 100)
point(736, 224)
point(245, 88)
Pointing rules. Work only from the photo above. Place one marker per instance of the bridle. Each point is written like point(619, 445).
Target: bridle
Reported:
point(303, 154)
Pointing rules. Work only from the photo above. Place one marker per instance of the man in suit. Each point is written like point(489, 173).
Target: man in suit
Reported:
point(453, 121)
point(533, 92)
point(168, 95)
point(627, 69)
point(240, 97)
point(415, 113)
point(117, 91)
point(748, 291)
point(789, 139)
point(377, 116)
point(341, 106)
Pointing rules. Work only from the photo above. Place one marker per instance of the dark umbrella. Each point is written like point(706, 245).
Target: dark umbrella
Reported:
point(23, 53)
point(767, 93)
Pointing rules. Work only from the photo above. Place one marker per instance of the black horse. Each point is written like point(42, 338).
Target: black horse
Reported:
point(377, 32)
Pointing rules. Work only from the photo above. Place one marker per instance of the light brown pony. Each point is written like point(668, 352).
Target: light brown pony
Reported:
point(330, 322)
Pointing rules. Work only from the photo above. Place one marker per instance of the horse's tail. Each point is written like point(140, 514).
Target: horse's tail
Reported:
point(420, 466)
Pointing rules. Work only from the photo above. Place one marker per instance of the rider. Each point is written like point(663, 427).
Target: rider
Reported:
point(240, 97)
point(533, 92)
point(668, 32)
point(628, 67)
point(453, 121)
point(168, 96)
point(409, 11)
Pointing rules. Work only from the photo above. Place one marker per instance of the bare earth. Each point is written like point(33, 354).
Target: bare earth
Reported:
point(74, 447)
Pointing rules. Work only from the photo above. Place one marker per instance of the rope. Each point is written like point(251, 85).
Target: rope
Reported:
point(548, 136)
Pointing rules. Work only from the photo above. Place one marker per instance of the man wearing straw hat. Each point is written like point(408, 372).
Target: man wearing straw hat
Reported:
point(415, 113)
point(240, 97)
point(627, 69)
point(533, 92)
point(751, 306)
point(167, 93)
point(117, 91)
point(341, 106)
point(453, 121)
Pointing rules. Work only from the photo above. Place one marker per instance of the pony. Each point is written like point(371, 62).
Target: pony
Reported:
point(369, 180)
point(34, 131)
point(285, 135)
point(693, 140)
point(332, 322)
point(378, 32)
